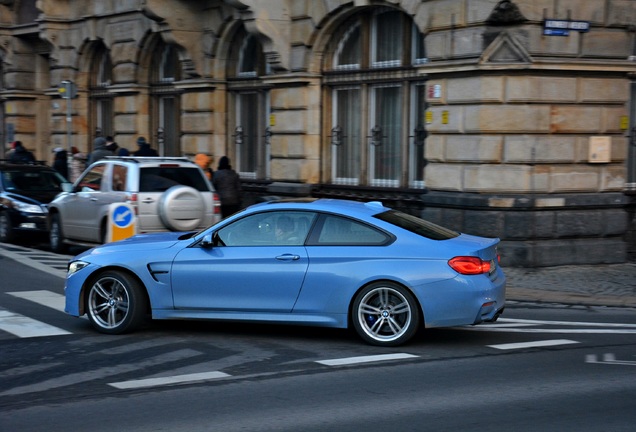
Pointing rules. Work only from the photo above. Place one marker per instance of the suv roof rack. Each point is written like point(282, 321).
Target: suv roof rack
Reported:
point(150, 158)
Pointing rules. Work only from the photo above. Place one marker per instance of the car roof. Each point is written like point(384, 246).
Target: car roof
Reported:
point(37, 166)
point(346, 207)
point(153, 160)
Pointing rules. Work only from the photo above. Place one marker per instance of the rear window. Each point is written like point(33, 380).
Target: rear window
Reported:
point(159, 179)
point(416, 225)
point(32, 181)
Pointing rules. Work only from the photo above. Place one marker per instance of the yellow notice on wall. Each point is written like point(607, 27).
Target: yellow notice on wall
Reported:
point(429, 117)
point(272, 120)
point(445, 116)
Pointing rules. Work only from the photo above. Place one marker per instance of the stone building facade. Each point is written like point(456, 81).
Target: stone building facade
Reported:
point(502, 118)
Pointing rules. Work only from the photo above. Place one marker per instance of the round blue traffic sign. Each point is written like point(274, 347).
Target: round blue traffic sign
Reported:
point(122, 216)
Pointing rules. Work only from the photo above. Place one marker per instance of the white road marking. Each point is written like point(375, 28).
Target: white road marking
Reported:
point(608, 358)
point(366, 359)
point(101, 373)
point(534, 344)
point(23, 258)
point(571, 323)
point(177, 379)
point(42, 297)
point(26, 327)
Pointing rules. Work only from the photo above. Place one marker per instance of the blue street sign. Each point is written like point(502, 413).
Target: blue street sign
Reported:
point(555, 27)
point(122, 216)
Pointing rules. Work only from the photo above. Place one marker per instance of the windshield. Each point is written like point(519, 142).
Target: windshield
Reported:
point(416, 225)
point(32, 181)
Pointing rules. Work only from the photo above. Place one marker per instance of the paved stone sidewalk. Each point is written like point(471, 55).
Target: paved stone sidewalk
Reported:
point(602, 284)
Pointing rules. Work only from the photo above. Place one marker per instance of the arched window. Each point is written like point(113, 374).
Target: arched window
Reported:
point(165, 70)
point(250, 113)
point(101, 76)
point(377, 114)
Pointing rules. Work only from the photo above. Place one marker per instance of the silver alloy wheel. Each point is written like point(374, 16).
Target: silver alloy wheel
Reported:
point(386, 314)
point(108, 303)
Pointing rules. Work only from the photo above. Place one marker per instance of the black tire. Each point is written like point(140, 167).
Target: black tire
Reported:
point(7, 235)
point(115, 303)
point(56, 235)
point(385, 314)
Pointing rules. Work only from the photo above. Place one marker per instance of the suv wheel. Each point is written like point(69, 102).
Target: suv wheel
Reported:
point(181, 208)
point(56, 236)
point(6, 229)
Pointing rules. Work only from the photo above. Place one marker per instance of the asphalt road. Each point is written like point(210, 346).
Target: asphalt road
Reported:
point(539, 368)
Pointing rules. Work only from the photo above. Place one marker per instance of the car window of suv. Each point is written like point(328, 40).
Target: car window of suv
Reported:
point(120, 174)
point(162, 178)
point(91, 181)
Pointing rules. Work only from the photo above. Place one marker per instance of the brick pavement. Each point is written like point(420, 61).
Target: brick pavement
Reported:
point(599, 284)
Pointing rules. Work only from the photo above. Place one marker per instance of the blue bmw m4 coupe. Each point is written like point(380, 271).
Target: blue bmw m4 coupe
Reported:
point(320, 262)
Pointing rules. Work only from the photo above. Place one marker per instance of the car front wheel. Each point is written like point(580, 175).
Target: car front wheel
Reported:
point(115, 303)
point(6, 229)
point(56, 236)
point(385, 314)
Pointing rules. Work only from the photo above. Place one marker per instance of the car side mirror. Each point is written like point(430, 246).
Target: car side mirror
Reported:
point(207, 241)
point(67, 187)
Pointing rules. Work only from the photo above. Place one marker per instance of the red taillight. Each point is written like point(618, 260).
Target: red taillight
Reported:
point(217, 204)
point(469, 265)
point(132, 200)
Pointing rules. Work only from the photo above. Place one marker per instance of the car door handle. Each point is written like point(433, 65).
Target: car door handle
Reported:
point(288, 257)
point(148, 201)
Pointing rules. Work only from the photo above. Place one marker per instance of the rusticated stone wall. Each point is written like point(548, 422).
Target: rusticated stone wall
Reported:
point(510, 128)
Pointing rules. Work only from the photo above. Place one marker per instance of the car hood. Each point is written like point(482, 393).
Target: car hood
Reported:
point(34, 197)
point(138, 243)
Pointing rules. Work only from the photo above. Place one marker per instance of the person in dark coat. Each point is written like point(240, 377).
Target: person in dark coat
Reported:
point(100, 151)
point(21, 154)
point(228, 185)
point(144, 148)
point(60, 161)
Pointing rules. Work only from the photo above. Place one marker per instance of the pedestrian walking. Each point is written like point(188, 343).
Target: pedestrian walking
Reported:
point(228, 186)
point(204, 162)
point(144, 148)
point(60, 161)
point(100, 151)
point(20, 154)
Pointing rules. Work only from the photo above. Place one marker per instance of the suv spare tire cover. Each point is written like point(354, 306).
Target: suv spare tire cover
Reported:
point(181, 208)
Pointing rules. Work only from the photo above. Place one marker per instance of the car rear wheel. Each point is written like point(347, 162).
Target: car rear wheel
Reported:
point(6, 229)
point(56, 236)
point(385, 314)
point(115, 303)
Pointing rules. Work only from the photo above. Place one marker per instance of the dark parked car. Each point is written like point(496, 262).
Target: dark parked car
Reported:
point(25, 191)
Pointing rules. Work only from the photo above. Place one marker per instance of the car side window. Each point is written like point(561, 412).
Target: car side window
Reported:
point(339, 231)
point(91, 181)
point(269, 229)
point(120, 173)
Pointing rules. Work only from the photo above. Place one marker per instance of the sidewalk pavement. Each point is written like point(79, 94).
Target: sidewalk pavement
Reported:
point(591, 285)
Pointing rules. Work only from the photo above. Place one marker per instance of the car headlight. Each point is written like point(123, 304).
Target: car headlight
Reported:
point(75, 266)
point(28, 208)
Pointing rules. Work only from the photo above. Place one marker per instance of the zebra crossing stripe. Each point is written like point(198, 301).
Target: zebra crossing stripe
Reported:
point(42, 297)
point(25, 327)
point(162, 381)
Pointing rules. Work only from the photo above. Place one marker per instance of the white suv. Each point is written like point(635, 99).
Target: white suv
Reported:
point(168, 194)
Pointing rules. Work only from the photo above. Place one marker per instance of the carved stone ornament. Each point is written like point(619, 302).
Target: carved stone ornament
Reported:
point(506, 13)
